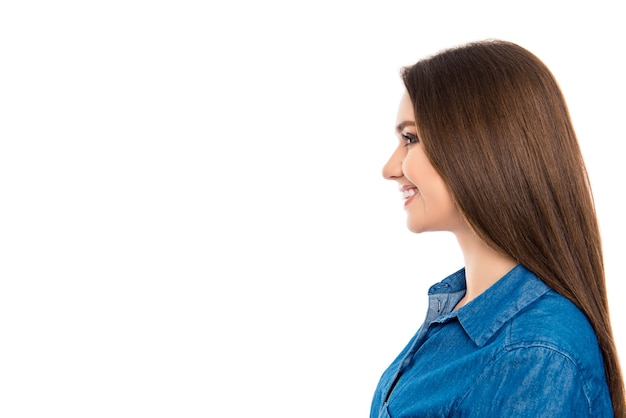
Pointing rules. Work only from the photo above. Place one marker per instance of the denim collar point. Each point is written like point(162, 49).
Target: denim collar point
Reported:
point(478, 318)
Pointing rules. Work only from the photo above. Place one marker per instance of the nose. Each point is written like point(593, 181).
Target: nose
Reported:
point(392, 170)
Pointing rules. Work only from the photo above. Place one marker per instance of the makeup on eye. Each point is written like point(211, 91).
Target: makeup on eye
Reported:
point(409, 138)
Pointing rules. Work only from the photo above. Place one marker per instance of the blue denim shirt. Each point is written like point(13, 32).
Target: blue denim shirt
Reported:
point(519, 349)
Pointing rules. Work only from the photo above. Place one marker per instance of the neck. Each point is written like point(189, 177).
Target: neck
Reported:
point(483, 265)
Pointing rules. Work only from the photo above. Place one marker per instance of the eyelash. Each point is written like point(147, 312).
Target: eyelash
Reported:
point(409, 139)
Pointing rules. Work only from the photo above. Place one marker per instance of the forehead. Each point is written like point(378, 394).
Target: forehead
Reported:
point(405, 109)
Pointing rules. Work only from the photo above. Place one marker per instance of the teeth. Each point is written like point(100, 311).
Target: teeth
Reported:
point(408, 193)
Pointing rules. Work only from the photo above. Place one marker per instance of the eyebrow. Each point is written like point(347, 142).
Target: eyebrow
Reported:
point(403, 125)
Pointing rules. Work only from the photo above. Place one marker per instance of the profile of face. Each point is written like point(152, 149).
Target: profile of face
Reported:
point(427, 201)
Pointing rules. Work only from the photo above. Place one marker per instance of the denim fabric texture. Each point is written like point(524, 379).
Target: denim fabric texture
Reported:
point(519, 349)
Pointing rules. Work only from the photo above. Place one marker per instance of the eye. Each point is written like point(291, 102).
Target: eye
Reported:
point(409, 138)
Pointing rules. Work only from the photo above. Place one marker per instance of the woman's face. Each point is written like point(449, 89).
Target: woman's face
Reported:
point(427, 201)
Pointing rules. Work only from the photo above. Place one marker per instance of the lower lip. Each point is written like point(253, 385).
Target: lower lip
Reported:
point(407, 201)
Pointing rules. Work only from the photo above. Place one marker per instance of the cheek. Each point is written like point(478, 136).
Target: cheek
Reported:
point(411, 167)
point(417, 168)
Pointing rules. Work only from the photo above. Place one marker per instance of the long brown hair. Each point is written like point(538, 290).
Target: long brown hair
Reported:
point(494, 123)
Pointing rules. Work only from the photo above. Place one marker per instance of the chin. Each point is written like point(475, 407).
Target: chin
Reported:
point(415, 228)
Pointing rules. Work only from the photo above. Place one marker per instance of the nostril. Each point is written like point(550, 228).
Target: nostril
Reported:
point(389, 175)
point(392, 170)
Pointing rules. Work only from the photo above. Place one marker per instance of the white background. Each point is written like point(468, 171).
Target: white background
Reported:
point(192, 217)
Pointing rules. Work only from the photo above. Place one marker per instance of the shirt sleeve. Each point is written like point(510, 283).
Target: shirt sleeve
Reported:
point(529, 382)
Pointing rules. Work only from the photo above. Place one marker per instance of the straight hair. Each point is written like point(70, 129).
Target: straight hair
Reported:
point(495, 125)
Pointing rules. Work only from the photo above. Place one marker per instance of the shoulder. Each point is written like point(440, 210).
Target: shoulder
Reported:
point(553, 335)
point(535, 380)
point(553, 322)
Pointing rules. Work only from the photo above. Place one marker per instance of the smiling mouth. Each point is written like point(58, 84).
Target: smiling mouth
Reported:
point(408, 193)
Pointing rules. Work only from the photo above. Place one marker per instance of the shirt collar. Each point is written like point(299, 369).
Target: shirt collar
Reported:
point(486, 314)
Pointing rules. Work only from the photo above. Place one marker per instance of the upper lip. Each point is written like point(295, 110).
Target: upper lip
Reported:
point(407, 187)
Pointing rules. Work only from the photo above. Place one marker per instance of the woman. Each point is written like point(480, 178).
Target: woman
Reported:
point(487, 151)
